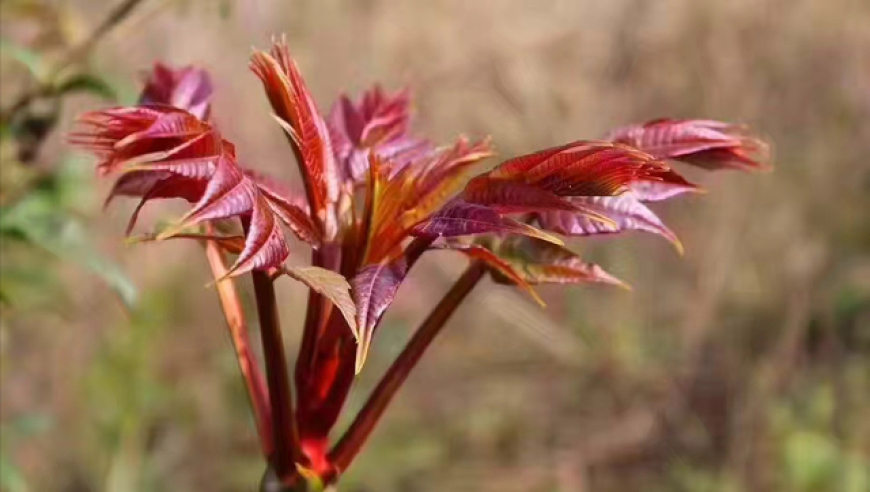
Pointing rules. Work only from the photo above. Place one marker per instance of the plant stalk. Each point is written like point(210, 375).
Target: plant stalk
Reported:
point(286, 450)
point(351, 442)
point(248, 365)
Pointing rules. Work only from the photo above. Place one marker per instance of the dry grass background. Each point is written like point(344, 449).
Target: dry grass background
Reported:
point(742, 366)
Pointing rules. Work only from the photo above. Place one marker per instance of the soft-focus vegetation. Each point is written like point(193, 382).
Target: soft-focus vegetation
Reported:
point(744, 365)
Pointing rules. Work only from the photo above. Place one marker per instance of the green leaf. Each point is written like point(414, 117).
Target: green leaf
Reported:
point(32, 60)
point(38, 220)
point(11, 478)
point(86, 83)
point(541, 262)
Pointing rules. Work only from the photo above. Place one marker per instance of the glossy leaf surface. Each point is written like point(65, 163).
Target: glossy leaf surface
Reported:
point(625, 211)
point(295, 108)
point(705, 143)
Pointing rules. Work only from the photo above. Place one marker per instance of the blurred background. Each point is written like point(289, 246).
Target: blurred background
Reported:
point(742, 366)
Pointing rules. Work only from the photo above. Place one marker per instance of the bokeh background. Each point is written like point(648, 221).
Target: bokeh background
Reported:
point(742, 366)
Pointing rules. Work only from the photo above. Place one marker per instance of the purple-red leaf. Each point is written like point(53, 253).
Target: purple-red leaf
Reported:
point(288, 206)
point(461, 218)
point(187, 88)
point(373, 290)
point(704, 143)
point(378, 123)
point(169, 153)
point(625, 211)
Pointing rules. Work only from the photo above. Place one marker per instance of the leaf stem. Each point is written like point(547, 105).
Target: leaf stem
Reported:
point(351, 442)
point(248, 365)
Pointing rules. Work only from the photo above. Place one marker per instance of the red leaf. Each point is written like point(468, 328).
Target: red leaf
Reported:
point(187, 88)
point(461, 218)
point(507, 196)
point(625, 211)
point(265, 246)
point(704, 143)
point(290, 207)
point(373, 290)
point(166, 185)
point(295, 108)
point(172, 154)
point(583, 168)
point(152, 138)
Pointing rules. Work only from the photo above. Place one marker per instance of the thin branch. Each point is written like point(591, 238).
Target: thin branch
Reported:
point(73, 55)
point(351, 442)
point(235, 316)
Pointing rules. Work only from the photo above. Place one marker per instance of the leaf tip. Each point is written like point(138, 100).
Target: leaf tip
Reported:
point(362, 350)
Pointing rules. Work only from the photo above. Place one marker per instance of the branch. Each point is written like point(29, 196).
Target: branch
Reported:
point(74, 54)
point(351, 442)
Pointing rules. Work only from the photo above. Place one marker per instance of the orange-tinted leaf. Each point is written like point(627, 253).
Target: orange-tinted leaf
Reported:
point(431, 182)
point(704, 143)
point(398, 201)
point(625, 211)
point(384, 204)
point(331, 285)
point(294, 105)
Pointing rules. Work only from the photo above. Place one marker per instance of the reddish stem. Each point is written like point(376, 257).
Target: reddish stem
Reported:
point(309, 332)
point(287, 450)
point(351, 442)
point(250, 369)
point(336, 374)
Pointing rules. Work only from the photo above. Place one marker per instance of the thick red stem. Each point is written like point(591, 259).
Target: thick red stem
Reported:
point(336, 356)
point(351, 442)
point(287, 450)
